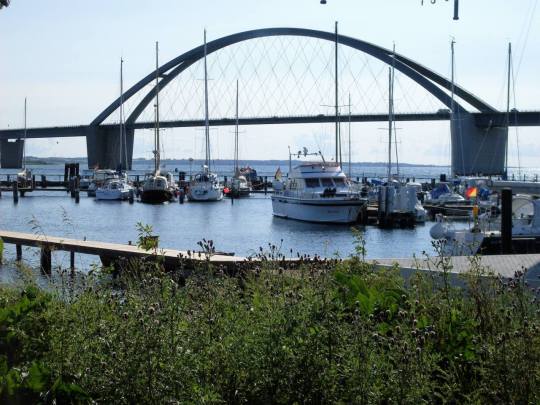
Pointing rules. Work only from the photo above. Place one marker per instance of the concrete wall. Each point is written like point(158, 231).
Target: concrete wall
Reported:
point(11, 154)
point(477, 150)
point(103, 147)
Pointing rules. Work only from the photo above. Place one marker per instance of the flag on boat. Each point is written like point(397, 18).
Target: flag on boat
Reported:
point(471, 192)
point(277, 176)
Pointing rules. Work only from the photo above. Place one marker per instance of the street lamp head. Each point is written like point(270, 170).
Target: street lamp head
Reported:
point(323, 1)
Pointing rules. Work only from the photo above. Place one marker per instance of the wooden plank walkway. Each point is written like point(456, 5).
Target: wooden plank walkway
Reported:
point(502, 265)
point(103, 249)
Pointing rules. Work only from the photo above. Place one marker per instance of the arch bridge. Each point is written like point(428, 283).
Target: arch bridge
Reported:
point(478, 139)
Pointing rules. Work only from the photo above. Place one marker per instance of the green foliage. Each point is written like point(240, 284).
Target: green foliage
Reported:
point(328, 331)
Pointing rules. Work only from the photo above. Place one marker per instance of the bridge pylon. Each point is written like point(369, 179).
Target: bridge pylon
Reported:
point(476, 150)
point(11, 154)
point(103, 146)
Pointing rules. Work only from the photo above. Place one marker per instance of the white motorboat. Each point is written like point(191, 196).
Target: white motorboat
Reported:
point(317, 192)
point(464, 242)
point(205, 186)
point(442, 194)
point(115, 189)
point(239, 187)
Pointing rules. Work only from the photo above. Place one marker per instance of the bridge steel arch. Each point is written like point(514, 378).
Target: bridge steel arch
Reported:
point(469, 155)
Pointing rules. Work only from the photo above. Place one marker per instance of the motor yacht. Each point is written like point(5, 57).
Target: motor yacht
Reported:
point(317, 192)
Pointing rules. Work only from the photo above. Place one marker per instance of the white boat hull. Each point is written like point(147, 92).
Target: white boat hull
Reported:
point(205, 194)
point(323, 211)
point(112, 194)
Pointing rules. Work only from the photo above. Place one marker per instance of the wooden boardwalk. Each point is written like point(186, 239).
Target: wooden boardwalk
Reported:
point(502, 265)
point(106, 251)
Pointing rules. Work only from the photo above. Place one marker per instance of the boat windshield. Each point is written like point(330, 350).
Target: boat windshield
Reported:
point(340, 181)
point(327, 182)
point(312, 183)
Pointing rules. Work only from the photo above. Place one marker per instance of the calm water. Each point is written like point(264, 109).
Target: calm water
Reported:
point(241, 227)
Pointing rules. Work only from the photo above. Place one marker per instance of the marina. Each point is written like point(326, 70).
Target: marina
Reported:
point(241, 202)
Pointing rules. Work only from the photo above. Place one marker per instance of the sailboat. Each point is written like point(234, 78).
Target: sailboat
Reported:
point(156, 188)
point(205, 185)
point(24, 177)
point(240, 187)
point(117, 187)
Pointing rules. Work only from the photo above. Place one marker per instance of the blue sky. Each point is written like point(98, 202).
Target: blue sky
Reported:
point(63, 55)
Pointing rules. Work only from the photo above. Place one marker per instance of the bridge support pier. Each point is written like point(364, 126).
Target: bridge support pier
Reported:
point(11, 154)
point(103, 147)
point(477, 150)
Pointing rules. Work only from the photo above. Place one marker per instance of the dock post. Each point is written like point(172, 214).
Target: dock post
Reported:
point(66, 168)
point(72, 186)
point(181, 196)
point(33, 182)
point(46, 260)
point(72, 261)
point(18, 249)
point(43, 181)
point(131, 197)
point(15, 192)
point(77, 196)
point(265, 184)
point(506, 220)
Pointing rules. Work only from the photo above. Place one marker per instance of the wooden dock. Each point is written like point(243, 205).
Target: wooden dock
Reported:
point(108, 252)
point(501, 265)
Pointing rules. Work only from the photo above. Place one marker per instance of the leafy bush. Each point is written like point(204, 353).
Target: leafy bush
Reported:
point(277, 332)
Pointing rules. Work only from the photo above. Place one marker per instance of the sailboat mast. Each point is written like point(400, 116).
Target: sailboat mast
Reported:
point(156, 139)
point(336, 90)
point(393, 107)
point(349, 135)
point(24, 142)
point(236, 134)
point(508, 107)
point(123, 162)
point(206, 120)
point(452, 116)
point(389, 171)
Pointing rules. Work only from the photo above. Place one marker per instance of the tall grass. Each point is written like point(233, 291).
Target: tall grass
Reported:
point(324, 331)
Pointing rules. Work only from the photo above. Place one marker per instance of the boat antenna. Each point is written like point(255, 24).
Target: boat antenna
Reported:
point(156, 140)
point(322, 157)
point(290, 161)
point(24, 141)
point(206, 121)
